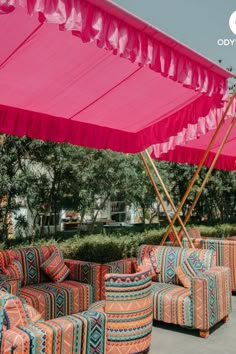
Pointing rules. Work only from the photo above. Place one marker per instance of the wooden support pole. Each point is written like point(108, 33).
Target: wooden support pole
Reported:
point(199, 167)
point(169, 198)
point(159, 195)
point(210, 169)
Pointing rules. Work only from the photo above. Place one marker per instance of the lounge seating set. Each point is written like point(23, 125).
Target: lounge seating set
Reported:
point(52, 305)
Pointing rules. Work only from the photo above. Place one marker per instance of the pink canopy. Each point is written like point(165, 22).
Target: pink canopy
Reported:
point(177, 150)
point(55, 86)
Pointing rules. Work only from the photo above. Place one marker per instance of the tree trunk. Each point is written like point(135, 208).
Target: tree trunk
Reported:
point(100, 208)
point(34, 228)
point(42, 226)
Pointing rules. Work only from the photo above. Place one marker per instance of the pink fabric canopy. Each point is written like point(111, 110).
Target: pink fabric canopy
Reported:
point(177, 150)
point(55, 86)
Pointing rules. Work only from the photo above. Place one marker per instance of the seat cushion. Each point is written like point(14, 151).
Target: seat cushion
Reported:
point(54, 300)
point(172, 304)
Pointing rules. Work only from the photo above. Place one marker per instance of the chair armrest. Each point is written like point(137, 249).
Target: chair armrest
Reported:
point(123, 266)
point(86, 272)
point(11, 285)
point(81, 333)
point(211, 295)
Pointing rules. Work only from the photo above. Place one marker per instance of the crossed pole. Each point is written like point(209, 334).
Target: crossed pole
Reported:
point(193, 180)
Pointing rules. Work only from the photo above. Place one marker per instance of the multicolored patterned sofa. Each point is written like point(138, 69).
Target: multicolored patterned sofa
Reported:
point(204, 301)
point(23, 331)
point(128, 306)
point(225, 253)
point(51, 299)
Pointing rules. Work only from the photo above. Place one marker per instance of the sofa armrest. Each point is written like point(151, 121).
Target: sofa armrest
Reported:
point(86, 272)
point(11, 285)
point(81, 333)
point(123, 266)
point(211, 295)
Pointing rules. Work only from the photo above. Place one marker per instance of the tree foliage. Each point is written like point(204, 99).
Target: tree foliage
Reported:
point(46, 177)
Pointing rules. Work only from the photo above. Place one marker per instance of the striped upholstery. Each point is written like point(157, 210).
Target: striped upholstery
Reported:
point(123, 266)
point(128, 307)
point(31, 259)
point(194, 232)
point(216, 302)
point(225, 254)
point(87, 273)
point(206, 302)
point(82, 333)
point(172, 304)
point(168, 258)
point(54, 300)
point(10, 285)
point(74, 294)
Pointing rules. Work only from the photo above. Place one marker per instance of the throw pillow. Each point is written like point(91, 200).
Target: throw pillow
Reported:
point(155, 268)
point(14, 270)
point(55, 268)
point(191, 267)
point(194, 233)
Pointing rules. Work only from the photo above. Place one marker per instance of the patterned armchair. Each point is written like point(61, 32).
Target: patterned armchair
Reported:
point(128, 307)
point(205, 298)
point(225, 253)
point(23, 331)
point(26, 278)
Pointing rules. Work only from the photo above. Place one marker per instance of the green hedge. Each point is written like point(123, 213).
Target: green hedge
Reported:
point(106, 248)
point(103, 249)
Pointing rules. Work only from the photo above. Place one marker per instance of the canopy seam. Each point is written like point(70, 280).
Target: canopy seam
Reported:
point(20, 45)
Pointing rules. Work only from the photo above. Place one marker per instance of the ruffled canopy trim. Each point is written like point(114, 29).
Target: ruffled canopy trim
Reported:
point(193, 131)
point(92, 23)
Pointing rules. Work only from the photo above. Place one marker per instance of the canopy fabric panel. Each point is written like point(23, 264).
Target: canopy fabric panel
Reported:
point(55, 87)
point(198, 139)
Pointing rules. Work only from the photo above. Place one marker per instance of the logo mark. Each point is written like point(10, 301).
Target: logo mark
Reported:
point(232, 22)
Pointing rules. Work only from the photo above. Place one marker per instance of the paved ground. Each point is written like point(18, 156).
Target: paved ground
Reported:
point(171, 339)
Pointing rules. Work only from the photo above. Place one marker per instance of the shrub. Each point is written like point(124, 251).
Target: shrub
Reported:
point(102, 248)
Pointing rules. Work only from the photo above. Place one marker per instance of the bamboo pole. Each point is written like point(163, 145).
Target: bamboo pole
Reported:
point(169, 198)
point(199, 167)
point(210, 169)
point(159, 195)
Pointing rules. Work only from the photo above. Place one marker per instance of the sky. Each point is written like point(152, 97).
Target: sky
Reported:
point(197, 23)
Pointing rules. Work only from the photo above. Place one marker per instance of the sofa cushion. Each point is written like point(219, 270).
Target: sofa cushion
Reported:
point(31, 259)
point(6, 257)
point(191, 267)
point(14, 270)
point(55, 267)
point(172, 304)
point(54, 300)
point(168, 258)
point(194, 232)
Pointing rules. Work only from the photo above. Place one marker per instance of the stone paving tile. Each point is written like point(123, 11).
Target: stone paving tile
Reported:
point(174, 339)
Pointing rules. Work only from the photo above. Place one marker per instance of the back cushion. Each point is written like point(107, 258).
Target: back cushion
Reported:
point(6, 256)
point(32, 258)
point(168, 258)
point(194, 232)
